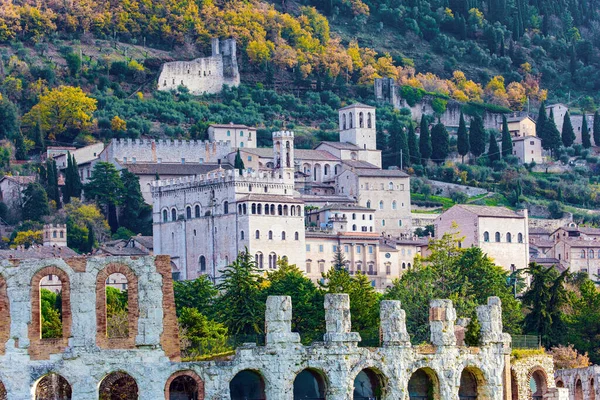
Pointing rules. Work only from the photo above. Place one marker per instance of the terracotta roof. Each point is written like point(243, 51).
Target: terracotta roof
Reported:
point(538, 231)
point(21, 180)
point(389, 249)
point(546, 261)
point(186, 169)
point(340, 145)
point(265, 152)
point(270, 198)
point(343, 235)
point(517, 118)
point(317, 155)
point(38, 252)
point(391, 173)
point(345, 207)
point(580, 243)
point(359, 164)
point(361, 105)
point(488, 211)
point(232, 125)
point(146, 241)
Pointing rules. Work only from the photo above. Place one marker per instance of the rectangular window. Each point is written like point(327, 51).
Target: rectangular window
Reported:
point(370, 249)
point(133, 160)
point(158, 161)
point(183, 160)
point(241, 133)
point(346, 250)
point(320, 248)
point(308, 247)
point(358, 248)
point(249, 158)
point(201, 161)
point(531, 143)
point(308, 268)
point(125, 159)
point(334, 248)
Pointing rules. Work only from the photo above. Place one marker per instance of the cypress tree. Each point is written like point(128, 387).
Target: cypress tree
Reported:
point(568, 135)
point(91, 240)
point(424, 141)
point(477, 136)
point(413, 147)
point(238, 163)
point(493, 150)
point(76, 186)
point(439, 136)
point(596, 129)
point(506, 139)
point(20, 151)
point(399, 152)
point(585, 133)
point(52, 183)
point(551, 137)
point(462, 140)
point(40, 143)
point(67, 189)
point(541, 120)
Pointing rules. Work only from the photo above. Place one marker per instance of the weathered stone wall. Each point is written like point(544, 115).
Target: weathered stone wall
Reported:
point(522, 371)
point(153, 359)
point(582, 383)
point(203, 75)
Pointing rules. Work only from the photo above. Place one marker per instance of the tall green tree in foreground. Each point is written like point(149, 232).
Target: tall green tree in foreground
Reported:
point(106, 188)
point(551, 138)
point(424, 140)
point(52, 188)
point(493, 150)
point(241, 307)
point(439, 136)
point(506, 139)
point(541, 121)
point(238, 162)
point(544, 300)
point(35, 203)
point(399, 149)
point(462, 140)
point(135, 214)
point(568, 134)
point(477, 136)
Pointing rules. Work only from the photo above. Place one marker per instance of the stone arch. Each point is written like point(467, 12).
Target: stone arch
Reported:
point(310, 383)
point(423, 384)
point(317, 173)
point(369, 383)
point(559, 383)
point(538, 382)
point(472, 384)
point(514, 385)
point(184, 385)
point(247, 384)
point(118, 385)
point(39, 348)
point(578, 394)
point(4, 317)
point(52, 386)
point(102, 340)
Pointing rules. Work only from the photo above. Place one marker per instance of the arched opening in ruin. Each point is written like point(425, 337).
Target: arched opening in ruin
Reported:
point(592, 391)
point(51, 310)
point(560, 384)
point(368, 385)
point(247, 385)
point(52, 387)
point(424, 385)
point(514, 385)
point(117, 307)
point(117, 315)
point(310, 384)
point(538, 384)
point(472, 384)
point(184, 385)
point(578, 390)
point(118, 386)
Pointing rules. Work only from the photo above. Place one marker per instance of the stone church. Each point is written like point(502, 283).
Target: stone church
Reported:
point(204, 221)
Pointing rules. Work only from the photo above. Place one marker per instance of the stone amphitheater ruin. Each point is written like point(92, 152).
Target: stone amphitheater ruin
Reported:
point(86, 364)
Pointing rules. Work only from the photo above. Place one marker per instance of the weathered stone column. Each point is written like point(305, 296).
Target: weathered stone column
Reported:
point(441, 322)
point(490, 319)
point(393, 323)
point(337, 319)
point(278, 321)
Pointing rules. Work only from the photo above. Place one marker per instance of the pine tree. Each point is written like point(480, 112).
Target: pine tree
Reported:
point(477, 136)
point(462, 140)
point(134, 211)
point(506, 139)
point(568, 135)
point(238, 163)
point(424, 141)
point(439, 136)
point(541, 120)
point(106, 188)
point(35, 203)
point(413, 146)
point(493, 150)
point(585, 133)
point(551, 137)
point(596, 129)
point(339, 261)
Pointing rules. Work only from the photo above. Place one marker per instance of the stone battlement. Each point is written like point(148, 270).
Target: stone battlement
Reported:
point(55, 226)
point(215, 177)
point(170, 143)
point(148, 356)
point(283, 134)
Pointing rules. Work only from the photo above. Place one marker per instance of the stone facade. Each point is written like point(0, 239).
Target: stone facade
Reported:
point(150, 356)
point(498, 231)
point(240, 136)
point(579, 383)
point(532, 378)
point(560, 110)
point(528, 149)
point(203, 75)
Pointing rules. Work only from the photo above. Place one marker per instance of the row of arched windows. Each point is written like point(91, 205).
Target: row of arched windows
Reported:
point(271, 209)
point(381, 205)
point(498, 237)
point(590, 254)
point(361, 120)
point(270, 235)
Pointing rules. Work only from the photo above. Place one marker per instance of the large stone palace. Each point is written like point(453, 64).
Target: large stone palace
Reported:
point(86, 363)
point(204, 221)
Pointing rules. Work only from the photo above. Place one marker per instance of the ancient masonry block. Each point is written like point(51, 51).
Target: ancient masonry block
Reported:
point(149, 357)
point(490, 319)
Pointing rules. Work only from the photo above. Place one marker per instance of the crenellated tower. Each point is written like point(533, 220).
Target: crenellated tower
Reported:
point(283, 155)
